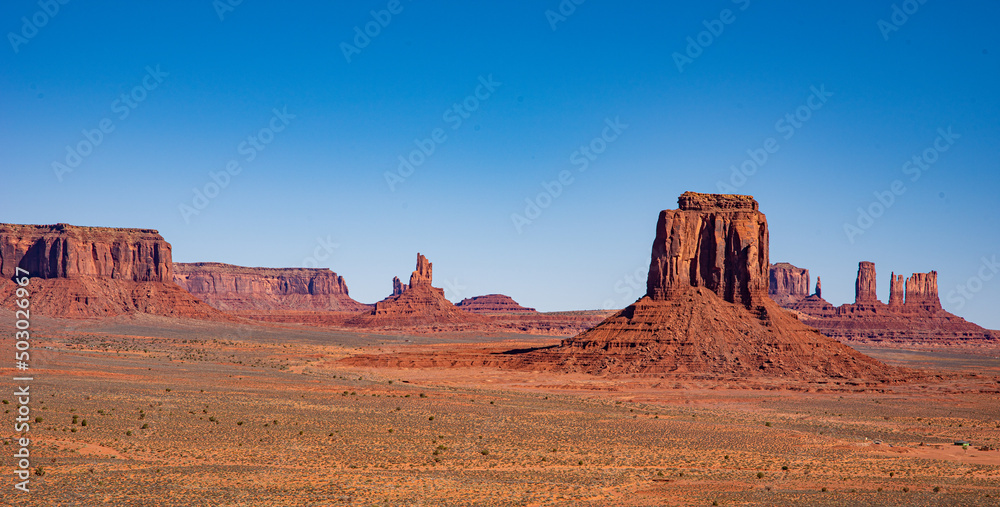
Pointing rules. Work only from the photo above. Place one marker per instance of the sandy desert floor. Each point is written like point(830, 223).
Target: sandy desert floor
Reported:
point(190, 413)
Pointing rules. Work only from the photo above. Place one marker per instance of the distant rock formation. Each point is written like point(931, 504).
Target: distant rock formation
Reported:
point(788, 283)
point(897, 290)
point(419, 304)
point(94, 272)
point(492, 304)
point(706, 310)
point(913, 316)
point(242, 289)
point(398, 287)
point(864, 286)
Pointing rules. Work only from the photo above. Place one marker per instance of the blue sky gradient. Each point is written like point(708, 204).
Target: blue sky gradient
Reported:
point(317, 192)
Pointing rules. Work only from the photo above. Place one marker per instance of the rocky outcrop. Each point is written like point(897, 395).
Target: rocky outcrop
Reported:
point(897, 290)
point(706, 311)
point(398, 287)
point(922, 291)
point(423, 274)
point(492, 304)
point(913, 316)
point(864, 286)
point(724, 249)
point(245, 289)
point(420, 304)
point(95, 271)
point(67, 251)
point(788, 283)
point(819, 287)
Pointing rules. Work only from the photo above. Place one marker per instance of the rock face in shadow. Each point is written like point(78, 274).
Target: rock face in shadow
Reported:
point(706, 311)
point(492, 304)
point(914, 315)
point(95, 272)
point(238, 288)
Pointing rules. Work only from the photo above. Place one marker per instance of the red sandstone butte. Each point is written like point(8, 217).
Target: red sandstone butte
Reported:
point(788, 283)
point(492, 304)
point(913, 316)
point(419, 304)
point(706, 310)
point(245, 289)
point(84, 272)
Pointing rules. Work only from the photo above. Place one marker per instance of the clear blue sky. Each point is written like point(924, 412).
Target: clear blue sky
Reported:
point(887, 90)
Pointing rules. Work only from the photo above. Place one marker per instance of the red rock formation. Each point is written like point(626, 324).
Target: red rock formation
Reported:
point(95, 271)
point(718, 231)
point(707, 311)
point(398, 287)
point(237, 288)
point(492, 303)
point(424, 272)
point(922, 291)
point(864, 286)
point(913, 316)
point(420, 304)
point(67, 251)
point(819, 288)
point(788, 283)
point(896, 290)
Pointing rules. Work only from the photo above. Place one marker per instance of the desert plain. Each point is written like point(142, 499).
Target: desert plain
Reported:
point(148, 410)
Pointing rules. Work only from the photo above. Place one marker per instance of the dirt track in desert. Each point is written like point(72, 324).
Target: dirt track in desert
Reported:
point(191, 413)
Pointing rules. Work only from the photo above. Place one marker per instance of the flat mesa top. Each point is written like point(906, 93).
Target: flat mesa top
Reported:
point(45, 228)
point(694, 201)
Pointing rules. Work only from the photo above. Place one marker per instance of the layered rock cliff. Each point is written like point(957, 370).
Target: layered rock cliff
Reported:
point(95, 271)
point(788, 283)
point(492, 304)
point(706, 311)
point(67, 251)
point(724, 249)
point(245, 289)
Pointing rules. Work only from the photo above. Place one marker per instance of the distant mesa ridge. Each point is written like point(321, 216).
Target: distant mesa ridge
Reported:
point(492, 303)
point(239, 288)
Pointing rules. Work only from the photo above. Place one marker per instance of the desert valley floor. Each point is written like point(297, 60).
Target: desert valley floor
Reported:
point(184, 412)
